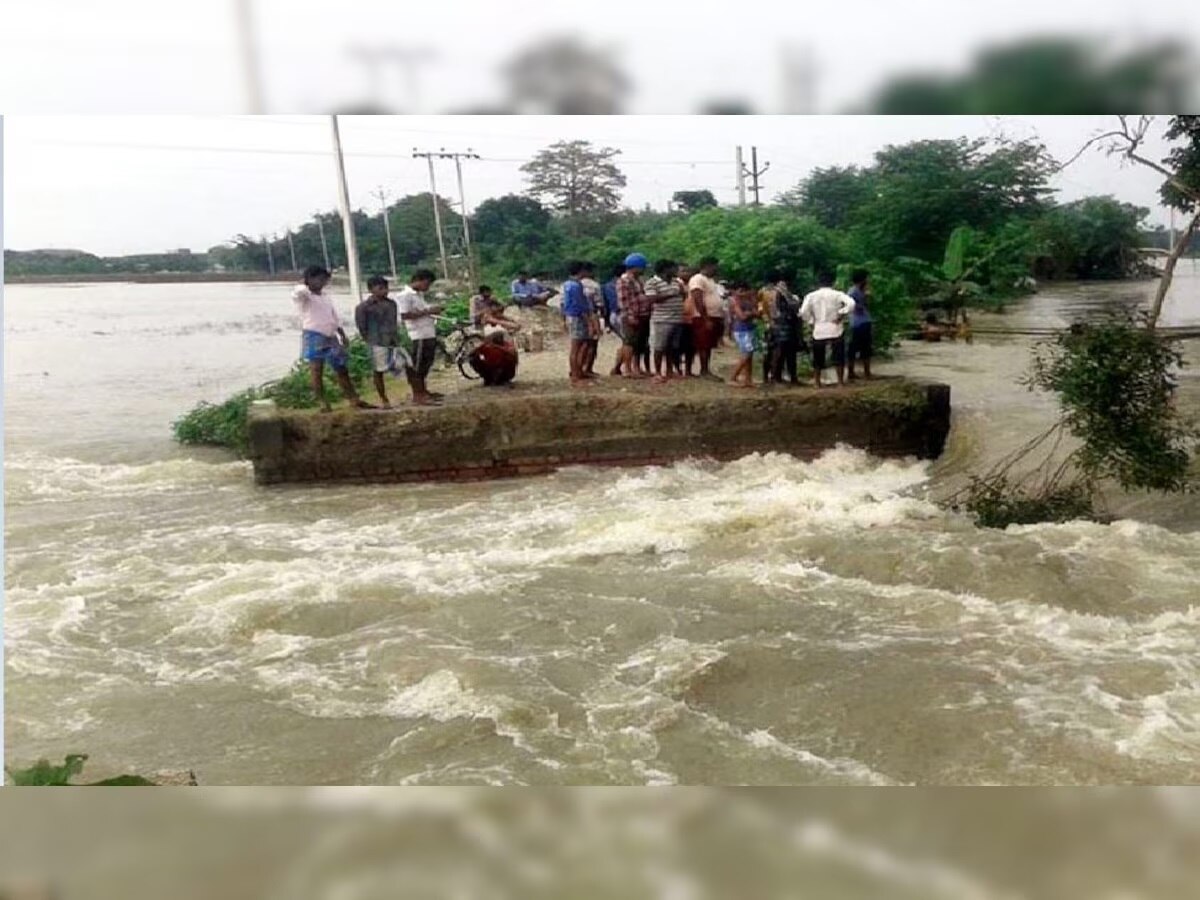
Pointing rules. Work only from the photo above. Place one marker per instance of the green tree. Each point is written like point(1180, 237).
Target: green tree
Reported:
point(831, 195)
point(925, 189)
point(1095, 237)
point(576, 179)
point(1184, 162)
point(691, 201)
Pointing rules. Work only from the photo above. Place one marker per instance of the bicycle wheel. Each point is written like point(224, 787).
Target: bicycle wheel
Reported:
point(443, 356)
point(470, 344)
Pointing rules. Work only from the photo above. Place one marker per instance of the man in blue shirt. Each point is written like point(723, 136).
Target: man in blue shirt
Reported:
point(861, 339)
point(581, 320)
point(527, 292)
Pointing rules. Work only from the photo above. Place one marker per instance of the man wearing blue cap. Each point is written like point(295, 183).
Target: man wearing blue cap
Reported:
point(635, 316)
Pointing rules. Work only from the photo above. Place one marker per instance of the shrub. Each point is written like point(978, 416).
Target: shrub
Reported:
point(1116, 383)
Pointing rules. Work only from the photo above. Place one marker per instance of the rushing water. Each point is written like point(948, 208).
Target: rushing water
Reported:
point(760, 621)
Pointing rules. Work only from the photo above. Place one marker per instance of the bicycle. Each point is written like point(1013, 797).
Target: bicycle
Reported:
point(454, 348)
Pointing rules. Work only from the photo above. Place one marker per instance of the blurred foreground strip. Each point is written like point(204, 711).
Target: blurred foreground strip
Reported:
point(349, 843)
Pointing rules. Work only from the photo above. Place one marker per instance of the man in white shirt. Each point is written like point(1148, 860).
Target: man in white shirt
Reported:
point(826, 310)
point(324, 341)
point(418, 318)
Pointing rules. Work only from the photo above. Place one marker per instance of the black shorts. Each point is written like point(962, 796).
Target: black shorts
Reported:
point(837, 347)
point(422, 356)
point(862, 343)
point(637, 335)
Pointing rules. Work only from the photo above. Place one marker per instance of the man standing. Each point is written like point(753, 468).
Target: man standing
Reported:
point(826, 309)
point(862, 343)
point(581, 320)
point(595, 297)
point(785, 329)
point(743, 310)
point(709, 324)
point(376, 319)
point(612, 317)
point(666, 318)
point(687, 336)
point(635, 315)
point(417, 316)
point(324, 341)
point(528, 293)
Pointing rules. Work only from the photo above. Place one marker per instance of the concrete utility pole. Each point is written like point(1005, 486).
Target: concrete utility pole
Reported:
point(462, 210)
point(741, 177)
point(437, 213)
point(324, 246)
point(754, 172)
point(344, 208)
point(292, 250)
point(387, 228)
point(270, 255)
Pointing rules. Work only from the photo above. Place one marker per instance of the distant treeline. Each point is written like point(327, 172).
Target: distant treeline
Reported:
point(895, 216)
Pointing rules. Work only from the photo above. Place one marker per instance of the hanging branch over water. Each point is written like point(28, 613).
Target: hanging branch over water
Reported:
point(1116, 382)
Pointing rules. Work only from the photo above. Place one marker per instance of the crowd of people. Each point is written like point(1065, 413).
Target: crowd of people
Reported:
point(669, 323)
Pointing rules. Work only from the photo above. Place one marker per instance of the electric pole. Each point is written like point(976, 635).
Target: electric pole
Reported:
point(344, 207)
point(754, 172)
point(741, 177)
point(437, 213)
point(324, 246)
point(292, 249)
point(387, 228)
point(462, 209)
point(270, 255)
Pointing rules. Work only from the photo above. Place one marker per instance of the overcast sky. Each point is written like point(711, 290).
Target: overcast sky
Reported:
point(142, 184)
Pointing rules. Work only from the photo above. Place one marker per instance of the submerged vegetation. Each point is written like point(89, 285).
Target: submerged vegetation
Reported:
point(1115, 382)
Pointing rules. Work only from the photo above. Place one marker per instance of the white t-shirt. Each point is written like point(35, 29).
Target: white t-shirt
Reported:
point(825, 308)
point(712, 295)
point(316, 311)
point(411, 301)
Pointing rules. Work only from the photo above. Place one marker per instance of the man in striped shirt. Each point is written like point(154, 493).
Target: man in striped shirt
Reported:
point(666, 318)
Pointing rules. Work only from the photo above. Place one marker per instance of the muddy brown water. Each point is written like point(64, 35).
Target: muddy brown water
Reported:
point(760, 621)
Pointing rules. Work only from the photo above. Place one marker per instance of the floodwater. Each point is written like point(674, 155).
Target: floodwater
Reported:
point(760, 621)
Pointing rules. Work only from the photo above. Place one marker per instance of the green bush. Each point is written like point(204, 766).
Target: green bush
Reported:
point(224, 424)
point(1116, 382)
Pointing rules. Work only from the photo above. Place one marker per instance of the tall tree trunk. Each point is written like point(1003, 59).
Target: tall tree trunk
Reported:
point(1164, 283)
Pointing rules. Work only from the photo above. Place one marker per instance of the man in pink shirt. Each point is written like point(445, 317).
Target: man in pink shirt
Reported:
point(324, 339)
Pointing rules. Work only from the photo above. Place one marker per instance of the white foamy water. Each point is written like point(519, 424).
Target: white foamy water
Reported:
point(760, 621)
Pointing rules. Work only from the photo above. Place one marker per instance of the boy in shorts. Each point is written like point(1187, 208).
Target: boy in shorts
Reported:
point(581, 320)
point(743, 311)
point(378, 325)
point(324, 339)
